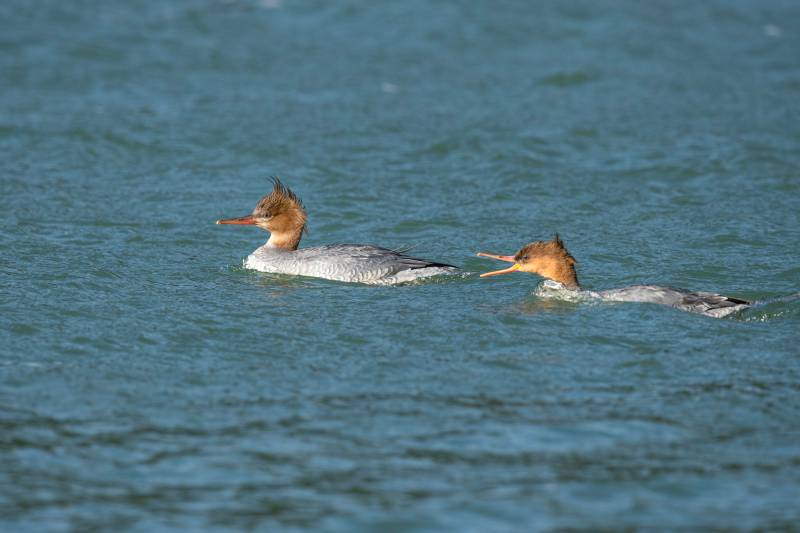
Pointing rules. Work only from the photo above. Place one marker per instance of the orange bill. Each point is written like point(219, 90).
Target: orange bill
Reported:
point(506, 258)
point(248, 220)
point(508, 270)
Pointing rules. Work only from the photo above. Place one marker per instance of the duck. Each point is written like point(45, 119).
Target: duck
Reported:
point(552, 261)
point(283, 215)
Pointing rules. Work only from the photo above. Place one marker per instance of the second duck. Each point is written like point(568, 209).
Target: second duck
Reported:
point(552, 261)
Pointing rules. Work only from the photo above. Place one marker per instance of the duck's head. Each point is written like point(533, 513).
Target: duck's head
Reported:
point(281, 213)
point(549, 259)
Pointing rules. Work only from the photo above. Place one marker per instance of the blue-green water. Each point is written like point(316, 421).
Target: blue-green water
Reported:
point(149, 382)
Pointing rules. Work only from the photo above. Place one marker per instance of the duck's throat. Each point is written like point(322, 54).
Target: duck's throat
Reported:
point(286, 240)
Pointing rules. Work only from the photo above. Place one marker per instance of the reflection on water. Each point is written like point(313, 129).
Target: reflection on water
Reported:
point(536, 304)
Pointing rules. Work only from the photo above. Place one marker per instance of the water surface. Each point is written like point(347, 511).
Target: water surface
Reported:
point(149, 382)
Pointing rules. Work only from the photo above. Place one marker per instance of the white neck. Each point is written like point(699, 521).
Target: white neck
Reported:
point(285, 240)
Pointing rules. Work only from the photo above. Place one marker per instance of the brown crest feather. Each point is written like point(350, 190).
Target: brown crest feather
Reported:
point(550, 259)
point(282, 201)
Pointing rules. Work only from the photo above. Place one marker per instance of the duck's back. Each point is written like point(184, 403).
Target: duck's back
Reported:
point(358, 263)
point(704, 303)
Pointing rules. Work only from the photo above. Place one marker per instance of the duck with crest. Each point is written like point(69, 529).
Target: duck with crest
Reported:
point(283, 215)
point(552, 261)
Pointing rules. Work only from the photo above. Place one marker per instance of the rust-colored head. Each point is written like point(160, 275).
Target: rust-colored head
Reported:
point(549, 259)
point(281, 213)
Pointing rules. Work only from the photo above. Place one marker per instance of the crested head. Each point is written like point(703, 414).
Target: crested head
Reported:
point(554, 249)
point(281, 213)
point(549, 259)
point(278, 201)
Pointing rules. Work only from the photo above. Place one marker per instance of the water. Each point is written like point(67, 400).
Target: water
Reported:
point(148, 382)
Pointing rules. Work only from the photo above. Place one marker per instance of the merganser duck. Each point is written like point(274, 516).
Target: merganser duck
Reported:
point(552, 261)
point(283, 215)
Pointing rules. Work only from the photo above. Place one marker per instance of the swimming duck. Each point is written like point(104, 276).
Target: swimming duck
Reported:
point(283, 215)
point(552, 261)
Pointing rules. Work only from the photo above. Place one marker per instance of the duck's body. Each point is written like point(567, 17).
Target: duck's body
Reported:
point(282, 214)
point(704, 303)
point(356, 263)
point(552, 261)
